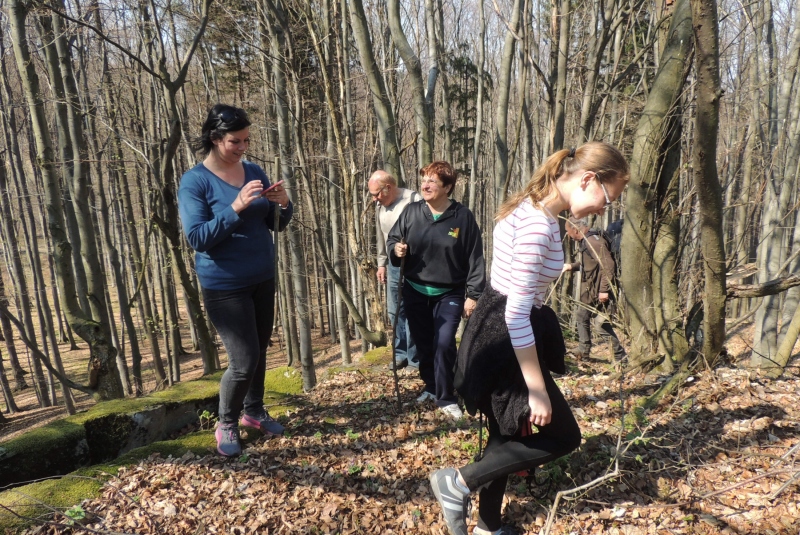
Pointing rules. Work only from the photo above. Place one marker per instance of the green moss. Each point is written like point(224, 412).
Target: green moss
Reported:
point(380, 355)
point(199, 389)
point(36, 500)
point(284, 380)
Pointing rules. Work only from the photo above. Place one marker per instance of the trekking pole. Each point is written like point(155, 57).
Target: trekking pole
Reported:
point(394, 326)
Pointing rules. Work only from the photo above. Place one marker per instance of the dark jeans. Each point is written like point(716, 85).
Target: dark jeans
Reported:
point(506, 455)
point(243, 318)
point(585, 317)
point(404, 346)
point(433, 322)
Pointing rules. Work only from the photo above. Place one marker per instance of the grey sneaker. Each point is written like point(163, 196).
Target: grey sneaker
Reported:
point(264, 423)
point(425, 396)
point(400, 363)
point(452, 500)
point(228, 440)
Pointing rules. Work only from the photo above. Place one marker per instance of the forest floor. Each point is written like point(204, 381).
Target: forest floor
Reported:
point(719, 457)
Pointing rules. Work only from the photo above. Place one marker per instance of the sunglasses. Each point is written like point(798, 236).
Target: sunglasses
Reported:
point(228, 115)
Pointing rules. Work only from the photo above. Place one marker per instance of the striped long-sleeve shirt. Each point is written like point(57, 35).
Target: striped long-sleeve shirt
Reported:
point(528, 256)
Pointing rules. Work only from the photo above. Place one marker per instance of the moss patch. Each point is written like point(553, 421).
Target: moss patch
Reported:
point(380, 355)
point(283, 380)
point(37, 500)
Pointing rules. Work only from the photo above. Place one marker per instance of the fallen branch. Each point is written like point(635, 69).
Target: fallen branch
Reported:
point(562, 493)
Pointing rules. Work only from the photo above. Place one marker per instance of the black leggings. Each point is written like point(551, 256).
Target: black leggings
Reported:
point(505, 455)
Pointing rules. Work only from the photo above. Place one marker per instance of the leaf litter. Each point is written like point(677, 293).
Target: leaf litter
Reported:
point(719, 457)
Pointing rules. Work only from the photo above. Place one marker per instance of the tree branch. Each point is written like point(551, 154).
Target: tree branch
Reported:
point(772, 287)
point(41, 356)
point(102, 36)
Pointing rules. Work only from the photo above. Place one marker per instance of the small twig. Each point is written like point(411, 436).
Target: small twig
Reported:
point(562, 493)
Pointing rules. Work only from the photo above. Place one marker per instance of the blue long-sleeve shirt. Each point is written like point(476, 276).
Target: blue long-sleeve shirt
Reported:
point(232, 250)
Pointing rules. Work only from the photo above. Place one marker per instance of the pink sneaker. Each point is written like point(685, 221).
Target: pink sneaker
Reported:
point(264, 423)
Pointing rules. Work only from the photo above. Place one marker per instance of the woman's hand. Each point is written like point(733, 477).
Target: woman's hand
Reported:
point(539, 403)
point(278, 195)
point(249, 192)
point(469, 307)
point(400, 249)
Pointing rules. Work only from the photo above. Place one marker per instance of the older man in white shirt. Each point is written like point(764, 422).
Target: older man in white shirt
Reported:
point(391, 201)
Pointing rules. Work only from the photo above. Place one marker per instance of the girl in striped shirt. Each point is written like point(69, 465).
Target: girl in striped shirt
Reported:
point(511, 337)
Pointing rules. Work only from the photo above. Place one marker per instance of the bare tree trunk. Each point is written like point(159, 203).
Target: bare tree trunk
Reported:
point(501, 110)
point(473, 172)
point(652, 142)
point(560, 28)
point(387, 130)
point(298, 269)
point(709, 190)
point(413, 67)
point(103, 376)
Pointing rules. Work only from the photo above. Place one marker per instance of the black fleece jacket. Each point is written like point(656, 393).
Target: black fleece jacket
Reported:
point(447, 253)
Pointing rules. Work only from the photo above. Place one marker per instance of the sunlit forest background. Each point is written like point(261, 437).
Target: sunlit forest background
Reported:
point(100, 103)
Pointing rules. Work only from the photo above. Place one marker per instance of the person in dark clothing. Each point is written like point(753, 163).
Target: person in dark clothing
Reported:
point(227, 210)
point(597, 270)
point(513, 341)
point(444, 277)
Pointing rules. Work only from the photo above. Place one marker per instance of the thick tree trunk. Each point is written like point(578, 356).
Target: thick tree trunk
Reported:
point(642, 197)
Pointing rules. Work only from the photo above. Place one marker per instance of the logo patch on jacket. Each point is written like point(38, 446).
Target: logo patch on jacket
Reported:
point(454, 232)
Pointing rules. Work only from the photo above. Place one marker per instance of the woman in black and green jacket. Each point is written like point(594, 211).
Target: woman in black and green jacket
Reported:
point(444, 277)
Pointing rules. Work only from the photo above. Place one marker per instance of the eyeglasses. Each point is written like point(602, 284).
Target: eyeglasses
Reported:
point(605, 192)
point(376, 195)
point(430, 180)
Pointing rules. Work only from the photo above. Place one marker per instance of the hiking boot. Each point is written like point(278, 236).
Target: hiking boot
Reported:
point(227, 436)
point(264, 423)
point(425, 396)
point(400, 364)
point(452, 411)
point(453, 501)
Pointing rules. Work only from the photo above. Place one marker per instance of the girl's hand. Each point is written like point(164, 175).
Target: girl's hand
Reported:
point(469, 307)
point(539, 403)
point(249, 192)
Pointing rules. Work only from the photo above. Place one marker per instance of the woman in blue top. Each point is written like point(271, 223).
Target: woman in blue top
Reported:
point(227, 213)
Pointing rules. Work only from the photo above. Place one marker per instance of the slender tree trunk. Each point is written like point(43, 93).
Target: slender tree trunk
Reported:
point(413, 67)
point(473, 176)
point(501, 110)
point(561, 28)
point(709, 190)
point(387, 130)
point(103, 376)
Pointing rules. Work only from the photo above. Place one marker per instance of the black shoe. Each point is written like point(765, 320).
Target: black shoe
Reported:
point(400, 364)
